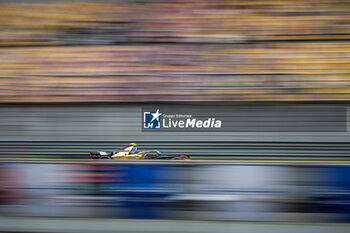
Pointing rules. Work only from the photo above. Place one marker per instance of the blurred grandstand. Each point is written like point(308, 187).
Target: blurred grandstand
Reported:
point(197, 50)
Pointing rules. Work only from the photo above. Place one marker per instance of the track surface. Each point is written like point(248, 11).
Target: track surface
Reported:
point(26, 224)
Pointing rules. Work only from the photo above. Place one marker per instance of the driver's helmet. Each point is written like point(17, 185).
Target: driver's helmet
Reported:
point(133, 144)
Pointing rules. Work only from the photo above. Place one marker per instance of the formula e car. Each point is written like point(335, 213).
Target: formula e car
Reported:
point(130, 152)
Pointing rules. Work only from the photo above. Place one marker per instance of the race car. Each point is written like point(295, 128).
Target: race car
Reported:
point(130, 152)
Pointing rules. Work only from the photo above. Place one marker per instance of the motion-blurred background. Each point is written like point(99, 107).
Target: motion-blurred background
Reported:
point(74, 76)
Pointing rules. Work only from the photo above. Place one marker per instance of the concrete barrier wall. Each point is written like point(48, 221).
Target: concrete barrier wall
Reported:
point(74, 130)
point(123, 122)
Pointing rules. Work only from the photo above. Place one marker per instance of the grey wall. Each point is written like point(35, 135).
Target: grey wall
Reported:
point(123, 122)
point(110, 125)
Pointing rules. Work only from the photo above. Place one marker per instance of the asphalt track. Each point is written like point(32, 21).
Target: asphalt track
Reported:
point(184, 162)
point(34, 224)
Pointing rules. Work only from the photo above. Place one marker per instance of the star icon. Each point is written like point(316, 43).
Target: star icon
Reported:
point(156, 115)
